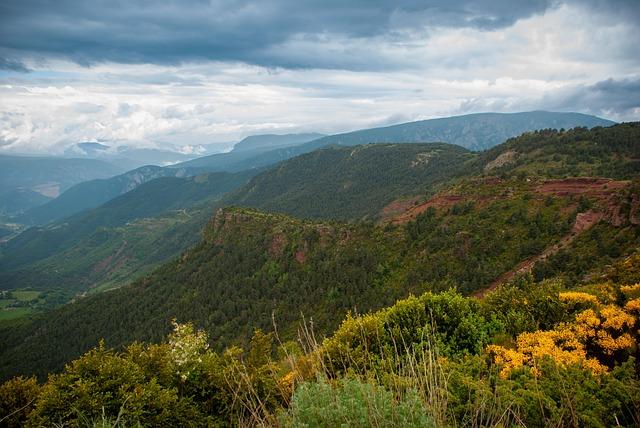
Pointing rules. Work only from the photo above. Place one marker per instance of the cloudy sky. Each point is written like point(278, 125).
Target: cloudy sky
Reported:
point(191, 72)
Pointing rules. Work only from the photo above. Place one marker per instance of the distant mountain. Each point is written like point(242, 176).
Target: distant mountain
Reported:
point(478, 131)
point(247, 153)
point(92, 148)
point(271, 141)
point(93, 193)
point(474, 131)
point(21, 176)
point(126, 156)
point(123, 235)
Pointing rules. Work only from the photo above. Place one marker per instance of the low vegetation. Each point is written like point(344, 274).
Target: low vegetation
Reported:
point(554, 358)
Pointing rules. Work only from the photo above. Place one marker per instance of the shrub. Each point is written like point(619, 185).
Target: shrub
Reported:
point(353, 403)
point(17, 399)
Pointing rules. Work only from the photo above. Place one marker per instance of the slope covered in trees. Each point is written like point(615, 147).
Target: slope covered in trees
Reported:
point(253, 265)
point(531, 354)
point(471, 233)
point(354, 182)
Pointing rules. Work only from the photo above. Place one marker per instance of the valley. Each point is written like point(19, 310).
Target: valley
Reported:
point(319, 239)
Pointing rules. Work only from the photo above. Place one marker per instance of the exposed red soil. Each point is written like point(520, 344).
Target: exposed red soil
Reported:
point(633, 212)
point(438, 202)
point(604, 190)
point(278, 243)
point(301, 254)
point(600, 188)
point(104, 264)
point(398, 207)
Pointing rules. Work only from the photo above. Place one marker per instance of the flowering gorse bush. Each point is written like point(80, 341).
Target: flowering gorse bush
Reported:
point(593, 340)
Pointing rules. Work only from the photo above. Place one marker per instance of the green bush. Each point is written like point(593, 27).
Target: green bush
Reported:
point(450, 322)
point(352, 403)
point(104, 382)
point(17, 398)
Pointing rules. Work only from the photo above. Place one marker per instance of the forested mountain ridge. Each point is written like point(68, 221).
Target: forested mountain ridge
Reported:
point(351, 183)
point(252, 265)
point(93, 193)
point(378, 182)
point(612, 152)
point(478, 131)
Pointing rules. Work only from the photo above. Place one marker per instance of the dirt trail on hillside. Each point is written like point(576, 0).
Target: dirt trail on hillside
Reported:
point(601, 189)
point(584, 222)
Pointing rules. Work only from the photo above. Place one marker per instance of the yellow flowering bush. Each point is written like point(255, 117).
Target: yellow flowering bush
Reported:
point(604, 331)
point(561, 345)
point(633, 305)
point(577, 298)
point(631, 290)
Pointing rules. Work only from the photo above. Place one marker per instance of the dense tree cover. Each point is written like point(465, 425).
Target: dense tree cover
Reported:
point(252, 265)
point(433, 360)
point(611, 152)
point(353, 182)
point(108, 247)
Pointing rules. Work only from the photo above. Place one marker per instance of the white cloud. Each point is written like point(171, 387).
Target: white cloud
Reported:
point(541, 62)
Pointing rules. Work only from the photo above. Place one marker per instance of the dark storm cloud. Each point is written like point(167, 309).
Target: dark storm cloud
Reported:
point(12, 65)
point(619, 97)
point(143, 31)
point(611, 98)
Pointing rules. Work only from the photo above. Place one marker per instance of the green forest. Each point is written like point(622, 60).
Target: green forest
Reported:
point(375, 285)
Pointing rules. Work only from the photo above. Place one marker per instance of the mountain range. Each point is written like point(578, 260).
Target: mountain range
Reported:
point(479, 220)
point(27, 181)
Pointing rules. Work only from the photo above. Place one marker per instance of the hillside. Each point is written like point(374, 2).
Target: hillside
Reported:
point(378, 182)
point(251, 265)
point(612, 152)
point(353, 183)
point(118, 238)
point(93, 193)
point(47, 176)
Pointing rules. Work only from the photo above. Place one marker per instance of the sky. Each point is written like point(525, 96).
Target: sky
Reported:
point(187, 73)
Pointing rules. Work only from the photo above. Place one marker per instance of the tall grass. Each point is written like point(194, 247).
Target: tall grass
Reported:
point(358, 389)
